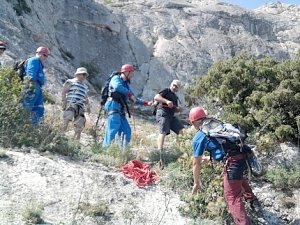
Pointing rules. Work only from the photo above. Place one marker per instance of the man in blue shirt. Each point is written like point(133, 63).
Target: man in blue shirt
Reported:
point(115, 106)
point(35, 79)
point(236, 186)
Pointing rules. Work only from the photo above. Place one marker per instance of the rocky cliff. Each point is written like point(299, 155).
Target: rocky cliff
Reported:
point(163, 39)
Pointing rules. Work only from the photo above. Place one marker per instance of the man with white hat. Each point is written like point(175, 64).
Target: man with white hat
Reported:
point(167, 101)
point(74, 101)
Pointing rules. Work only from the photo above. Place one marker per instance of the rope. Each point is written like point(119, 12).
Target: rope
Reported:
point(141, 173)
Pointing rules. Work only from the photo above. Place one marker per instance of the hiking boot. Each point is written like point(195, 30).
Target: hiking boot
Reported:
point(255, 205)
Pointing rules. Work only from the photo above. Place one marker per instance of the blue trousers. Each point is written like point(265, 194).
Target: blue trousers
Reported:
point(117, 124)
point(34, 102)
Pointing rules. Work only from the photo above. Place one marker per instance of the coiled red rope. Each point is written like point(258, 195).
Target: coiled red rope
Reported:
point(141, 173)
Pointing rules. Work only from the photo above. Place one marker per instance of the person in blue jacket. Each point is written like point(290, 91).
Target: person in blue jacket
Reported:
point(117, 105)
point(34, 80)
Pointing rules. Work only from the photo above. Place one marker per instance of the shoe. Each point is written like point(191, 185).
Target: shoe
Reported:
point(255, 205)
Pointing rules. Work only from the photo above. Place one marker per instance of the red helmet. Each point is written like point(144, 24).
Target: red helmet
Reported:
point(2, 45)
point(43, 50)
point(197, 113)
point(127, 68)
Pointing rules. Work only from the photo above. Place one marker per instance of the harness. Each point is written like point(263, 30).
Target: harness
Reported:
point(121, 100)
point(77, 110)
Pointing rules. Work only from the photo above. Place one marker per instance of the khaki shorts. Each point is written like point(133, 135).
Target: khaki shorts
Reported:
point(79, 120)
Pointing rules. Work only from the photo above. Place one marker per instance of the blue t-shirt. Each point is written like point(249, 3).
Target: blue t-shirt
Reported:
point(202, 142)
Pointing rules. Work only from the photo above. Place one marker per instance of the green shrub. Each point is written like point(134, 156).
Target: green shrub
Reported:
point(32, 213)
point(15, 124)
point(260, 94)
point(111, 156)
point(209, 203)
point(100, 208)
point(284, 177)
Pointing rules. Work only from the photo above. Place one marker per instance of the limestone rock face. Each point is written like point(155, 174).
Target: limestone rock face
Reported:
point(165, 40)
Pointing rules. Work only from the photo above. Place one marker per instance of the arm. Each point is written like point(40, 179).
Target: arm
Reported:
point(159, 98)
point(66, 88)
point(196, 174)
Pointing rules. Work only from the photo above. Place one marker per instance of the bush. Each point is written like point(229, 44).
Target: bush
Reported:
point(111, 156)
point(284, 177)
point(262, 95)
point(100, 208)
point(32, 213)
point(15, 124)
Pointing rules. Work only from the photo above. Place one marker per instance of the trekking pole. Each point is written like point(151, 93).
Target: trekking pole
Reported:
point(99, 115)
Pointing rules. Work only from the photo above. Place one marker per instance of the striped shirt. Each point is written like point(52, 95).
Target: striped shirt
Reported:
point(77, 93)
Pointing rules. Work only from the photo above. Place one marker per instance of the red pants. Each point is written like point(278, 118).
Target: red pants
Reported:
point(237, 189)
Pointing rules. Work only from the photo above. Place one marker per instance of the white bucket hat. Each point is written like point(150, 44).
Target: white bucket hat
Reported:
point(176, 82)
point(81, 70)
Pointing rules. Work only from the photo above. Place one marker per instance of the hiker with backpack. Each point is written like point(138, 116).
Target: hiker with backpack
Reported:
point(167, 106)
point(235, 185)
point(35, 78)
point(116, 106)
point(75, 102)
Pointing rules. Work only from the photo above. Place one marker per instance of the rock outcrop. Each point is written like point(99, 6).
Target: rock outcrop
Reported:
point(164, 39)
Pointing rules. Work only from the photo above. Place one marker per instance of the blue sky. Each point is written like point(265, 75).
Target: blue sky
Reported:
point(252, 4)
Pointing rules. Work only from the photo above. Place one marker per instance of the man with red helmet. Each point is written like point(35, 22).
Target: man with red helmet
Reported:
point(120, 93)
point(33, 99)
point(235, 185)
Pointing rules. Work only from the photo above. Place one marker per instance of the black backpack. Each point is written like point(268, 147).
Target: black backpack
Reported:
point(20, 68)
point(105, 88)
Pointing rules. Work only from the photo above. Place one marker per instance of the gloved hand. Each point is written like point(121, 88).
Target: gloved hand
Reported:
point(146, 103)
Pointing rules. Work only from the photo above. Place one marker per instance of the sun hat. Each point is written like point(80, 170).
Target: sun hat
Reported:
point(81, 70)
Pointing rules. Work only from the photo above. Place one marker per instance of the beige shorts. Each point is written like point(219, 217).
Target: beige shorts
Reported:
point(79, 121)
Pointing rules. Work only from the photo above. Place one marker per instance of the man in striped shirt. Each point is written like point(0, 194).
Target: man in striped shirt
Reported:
point(74, 101)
